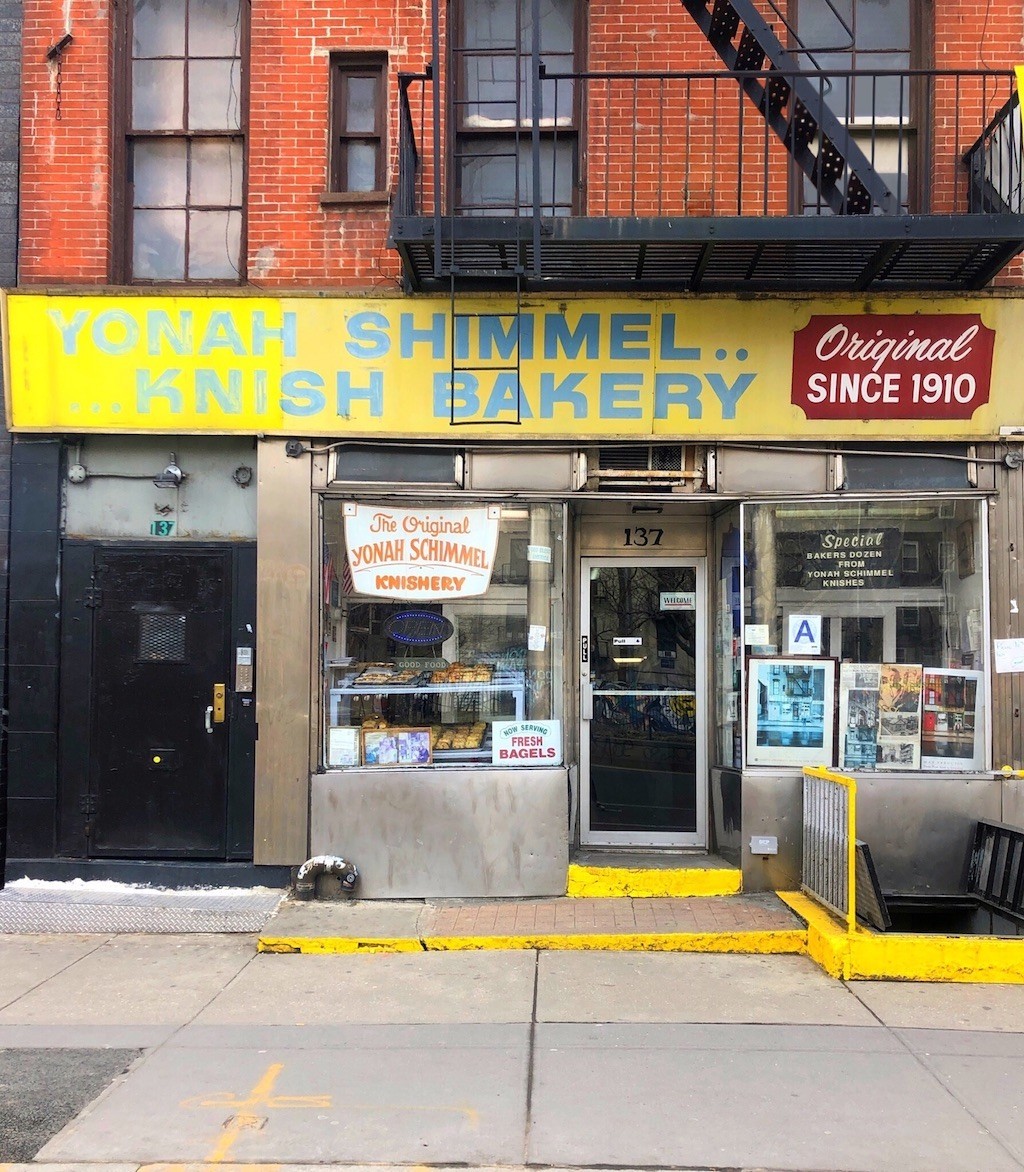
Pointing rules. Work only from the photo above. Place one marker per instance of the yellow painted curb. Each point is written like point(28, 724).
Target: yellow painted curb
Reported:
point(765, 942)
point(899, 956)
point(337, 944)
point(651, 882)
point(786, 941)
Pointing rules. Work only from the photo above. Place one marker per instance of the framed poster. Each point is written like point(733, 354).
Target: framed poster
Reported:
point(880, 716)
point(951, 724)
point(343, 746)
point(858, 715)
point(899, 716)
point(791, 711)
point(394, 747)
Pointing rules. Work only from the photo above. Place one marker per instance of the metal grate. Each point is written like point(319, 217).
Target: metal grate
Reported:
point(639, 458)
point(61, 908)
point(161, 638)
point(996, 868)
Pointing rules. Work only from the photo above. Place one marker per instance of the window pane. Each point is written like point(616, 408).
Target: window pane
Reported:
point(490, 24)
point(214, 93)
point(216, 173)
point(214, 245)
point(820, 28)
point(158, 245)
point(361, 167)
point(214, 28)
point(898, 586)
point(883, 24)
point(488, 177)
point(158, 28)
point(158, 95)
point(556, 25)
point(490, 90)
point(360, 105)
point(882, 97)
point(160, 173)
point(447, 663)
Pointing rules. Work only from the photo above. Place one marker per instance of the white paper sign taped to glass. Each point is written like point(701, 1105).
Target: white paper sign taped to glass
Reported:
point(804, 634)
point(420, 553)
point(528, 742)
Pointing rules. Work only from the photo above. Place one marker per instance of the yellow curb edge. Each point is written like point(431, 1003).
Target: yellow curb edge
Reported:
point(651, 883)
point(767, 942)
point(865, 955)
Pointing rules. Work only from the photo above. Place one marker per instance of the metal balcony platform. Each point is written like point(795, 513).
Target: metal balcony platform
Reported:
point(787, 254)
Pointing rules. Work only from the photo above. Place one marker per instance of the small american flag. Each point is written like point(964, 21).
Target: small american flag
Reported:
point(347, 585)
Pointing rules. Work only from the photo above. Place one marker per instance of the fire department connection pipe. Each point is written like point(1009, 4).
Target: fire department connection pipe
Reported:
point(312, 869)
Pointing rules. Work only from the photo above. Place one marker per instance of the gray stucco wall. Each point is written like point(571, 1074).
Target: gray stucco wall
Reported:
point(422, 833)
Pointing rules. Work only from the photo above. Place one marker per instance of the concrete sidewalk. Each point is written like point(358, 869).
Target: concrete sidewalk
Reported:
point(571, 1059)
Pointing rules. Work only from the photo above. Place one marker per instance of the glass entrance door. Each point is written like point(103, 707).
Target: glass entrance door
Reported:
point(642, 756)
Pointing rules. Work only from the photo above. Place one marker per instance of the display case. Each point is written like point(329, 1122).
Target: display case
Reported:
point(456, 702)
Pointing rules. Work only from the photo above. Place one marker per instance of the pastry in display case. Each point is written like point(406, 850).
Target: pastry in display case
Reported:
point(449, 699)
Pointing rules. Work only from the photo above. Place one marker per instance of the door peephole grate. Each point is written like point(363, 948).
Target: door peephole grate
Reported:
point(161, 638)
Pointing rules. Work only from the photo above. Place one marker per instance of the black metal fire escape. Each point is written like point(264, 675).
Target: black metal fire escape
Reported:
point(740, 232)
point(793, 106)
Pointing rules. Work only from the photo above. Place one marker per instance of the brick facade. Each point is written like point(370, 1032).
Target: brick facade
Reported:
point(294, 239)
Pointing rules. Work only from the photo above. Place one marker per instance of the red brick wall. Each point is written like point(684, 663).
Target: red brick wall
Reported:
point(65, 165)
point(654, 150)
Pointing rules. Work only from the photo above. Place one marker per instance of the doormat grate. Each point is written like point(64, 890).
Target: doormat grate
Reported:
point(62, 908)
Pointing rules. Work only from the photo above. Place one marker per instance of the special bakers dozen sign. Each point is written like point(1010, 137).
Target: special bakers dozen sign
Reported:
point(889, 366)
point(418, 553)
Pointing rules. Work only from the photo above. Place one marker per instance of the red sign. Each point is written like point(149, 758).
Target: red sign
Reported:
point(892, 366)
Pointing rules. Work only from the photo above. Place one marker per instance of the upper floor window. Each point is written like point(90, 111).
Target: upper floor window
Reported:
point(358, 124)
point(871, 47)
point(494, 114)
point(185, 140)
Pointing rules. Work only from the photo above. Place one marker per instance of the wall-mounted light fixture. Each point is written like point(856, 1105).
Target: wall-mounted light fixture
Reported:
point(172, 475)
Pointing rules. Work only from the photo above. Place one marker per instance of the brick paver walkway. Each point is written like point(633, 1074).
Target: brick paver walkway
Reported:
point(734, 913)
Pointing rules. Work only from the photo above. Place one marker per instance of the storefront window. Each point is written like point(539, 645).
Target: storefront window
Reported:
point(892, 594)
point(442, 634)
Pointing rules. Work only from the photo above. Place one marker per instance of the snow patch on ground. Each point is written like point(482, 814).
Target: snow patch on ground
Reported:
point(109, 886)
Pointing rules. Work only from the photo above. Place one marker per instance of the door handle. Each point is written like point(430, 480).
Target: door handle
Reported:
point(209, 718)
point(587, 711)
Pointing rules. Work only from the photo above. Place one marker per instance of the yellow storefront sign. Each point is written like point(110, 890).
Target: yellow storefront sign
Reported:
point(579, 368)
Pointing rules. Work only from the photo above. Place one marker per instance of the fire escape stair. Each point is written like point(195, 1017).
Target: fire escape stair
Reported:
point(793, 107)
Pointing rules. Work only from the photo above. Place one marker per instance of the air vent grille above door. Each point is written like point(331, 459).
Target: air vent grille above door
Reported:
point(659, 467)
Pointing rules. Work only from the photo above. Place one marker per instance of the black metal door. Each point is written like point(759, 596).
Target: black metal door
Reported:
point(158, 769)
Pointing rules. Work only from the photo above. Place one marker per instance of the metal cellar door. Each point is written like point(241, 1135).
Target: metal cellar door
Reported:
point(159, 731)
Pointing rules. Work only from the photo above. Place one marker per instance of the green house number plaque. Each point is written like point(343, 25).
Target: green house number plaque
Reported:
point(161, 528)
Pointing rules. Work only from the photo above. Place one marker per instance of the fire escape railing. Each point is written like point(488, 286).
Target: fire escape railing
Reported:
point(692, 143)
point(994, 163)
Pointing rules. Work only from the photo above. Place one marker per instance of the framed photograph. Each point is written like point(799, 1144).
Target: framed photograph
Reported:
point(791, 711)
point(391, 748)
point(952, 736)
point(858, 715)
point(343, 746)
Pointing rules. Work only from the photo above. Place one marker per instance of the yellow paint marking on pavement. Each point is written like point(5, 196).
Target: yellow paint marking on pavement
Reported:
point(228, 1100)
point(245, 1116)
